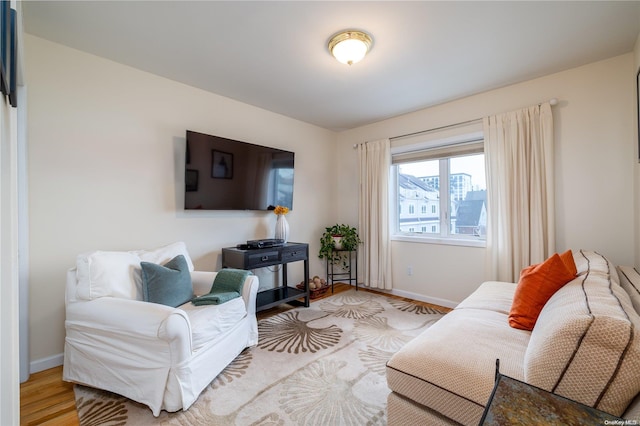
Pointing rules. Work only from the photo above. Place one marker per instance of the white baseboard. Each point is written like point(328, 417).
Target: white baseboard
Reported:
point(46, 363)
point(433, 300)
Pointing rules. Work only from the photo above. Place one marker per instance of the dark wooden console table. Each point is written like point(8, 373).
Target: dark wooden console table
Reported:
point(233, 257)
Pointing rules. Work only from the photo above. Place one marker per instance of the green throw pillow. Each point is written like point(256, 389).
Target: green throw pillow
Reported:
point(168, 284)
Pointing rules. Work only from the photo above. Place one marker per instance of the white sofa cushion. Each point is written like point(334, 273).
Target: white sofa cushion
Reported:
point(118, 273)
point(584, 345)
point(491, 295)
point(164, 254)
point(108, 273)
point(210, 322)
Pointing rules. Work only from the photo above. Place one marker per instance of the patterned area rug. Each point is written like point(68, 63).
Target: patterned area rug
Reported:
point(322, 365)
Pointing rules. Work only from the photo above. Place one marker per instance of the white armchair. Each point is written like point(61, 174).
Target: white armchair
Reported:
point(157, 355)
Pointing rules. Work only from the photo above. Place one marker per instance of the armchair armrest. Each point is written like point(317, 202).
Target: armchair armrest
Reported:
point(250, 292)
point(133, 321)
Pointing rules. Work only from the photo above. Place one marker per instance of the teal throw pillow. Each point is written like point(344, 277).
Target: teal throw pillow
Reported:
point(168, 284)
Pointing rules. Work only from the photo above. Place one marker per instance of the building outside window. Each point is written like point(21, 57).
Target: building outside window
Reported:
point(448, 184)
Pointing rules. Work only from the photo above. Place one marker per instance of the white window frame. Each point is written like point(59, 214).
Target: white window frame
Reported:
point(444, 237)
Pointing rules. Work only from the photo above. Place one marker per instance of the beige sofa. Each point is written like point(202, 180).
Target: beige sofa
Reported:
point(584, 346)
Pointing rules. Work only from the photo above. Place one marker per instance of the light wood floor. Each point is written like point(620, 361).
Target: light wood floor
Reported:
point(46, 400)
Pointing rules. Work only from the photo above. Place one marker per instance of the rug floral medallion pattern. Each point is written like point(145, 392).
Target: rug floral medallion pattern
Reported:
point(322, 365)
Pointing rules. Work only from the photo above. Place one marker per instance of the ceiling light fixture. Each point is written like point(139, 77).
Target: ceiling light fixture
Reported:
point(350, 46)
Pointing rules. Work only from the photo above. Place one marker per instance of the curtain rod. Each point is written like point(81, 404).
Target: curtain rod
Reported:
point(475, 120)
point(552, 102)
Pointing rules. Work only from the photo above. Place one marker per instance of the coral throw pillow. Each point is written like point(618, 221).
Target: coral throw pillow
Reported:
point(536, 286)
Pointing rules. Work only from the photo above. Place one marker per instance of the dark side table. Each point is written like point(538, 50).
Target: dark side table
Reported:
point(233, 257)
point(513, 402)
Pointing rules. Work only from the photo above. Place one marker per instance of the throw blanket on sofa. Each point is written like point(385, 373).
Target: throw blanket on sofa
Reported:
point(227, 285)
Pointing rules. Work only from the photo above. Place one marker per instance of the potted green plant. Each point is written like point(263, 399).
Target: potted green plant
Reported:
point(336, 242)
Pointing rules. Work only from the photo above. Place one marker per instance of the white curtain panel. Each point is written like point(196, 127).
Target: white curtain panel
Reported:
point(373, 228)
point(520, 190)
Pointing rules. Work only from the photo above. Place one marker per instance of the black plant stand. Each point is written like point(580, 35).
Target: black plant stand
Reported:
point(351, 275)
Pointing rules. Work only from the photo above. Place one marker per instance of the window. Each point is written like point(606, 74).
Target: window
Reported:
point(451, 181)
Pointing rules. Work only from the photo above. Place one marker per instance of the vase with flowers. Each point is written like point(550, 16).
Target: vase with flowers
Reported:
point(282, 226)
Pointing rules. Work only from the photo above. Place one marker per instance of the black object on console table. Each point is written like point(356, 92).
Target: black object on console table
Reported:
point(241, 258)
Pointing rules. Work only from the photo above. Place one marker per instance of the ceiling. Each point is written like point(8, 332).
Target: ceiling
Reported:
point(274, 54)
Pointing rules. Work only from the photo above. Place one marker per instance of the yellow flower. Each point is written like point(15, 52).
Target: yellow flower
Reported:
point(281, 210)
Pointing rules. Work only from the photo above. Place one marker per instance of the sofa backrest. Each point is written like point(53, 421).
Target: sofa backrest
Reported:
point(118, 274)
point(596, 264)
point(630, 281)
point(584, 345)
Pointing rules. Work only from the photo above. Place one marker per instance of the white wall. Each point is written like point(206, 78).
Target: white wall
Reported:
point(106, 155)
point(594, 133)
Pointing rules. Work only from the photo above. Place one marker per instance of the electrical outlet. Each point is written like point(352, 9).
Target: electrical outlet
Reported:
point(409, 270)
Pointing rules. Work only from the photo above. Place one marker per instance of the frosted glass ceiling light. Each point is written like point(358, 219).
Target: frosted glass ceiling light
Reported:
point(350, 46)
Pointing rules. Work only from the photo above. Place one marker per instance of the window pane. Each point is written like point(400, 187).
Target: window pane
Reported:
point(468, 195)
point(419, 197)
point(420, 192)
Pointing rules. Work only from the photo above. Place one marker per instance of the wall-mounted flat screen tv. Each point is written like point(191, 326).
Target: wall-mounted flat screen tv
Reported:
point(226, 174)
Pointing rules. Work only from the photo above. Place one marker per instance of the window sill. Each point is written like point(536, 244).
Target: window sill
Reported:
point(439, 241)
